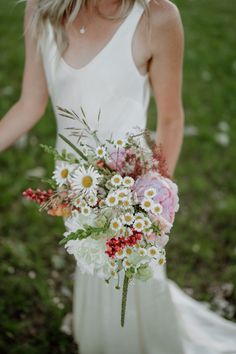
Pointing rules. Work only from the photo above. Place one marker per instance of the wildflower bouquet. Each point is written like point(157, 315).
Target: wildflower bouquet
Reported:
point(117, 201)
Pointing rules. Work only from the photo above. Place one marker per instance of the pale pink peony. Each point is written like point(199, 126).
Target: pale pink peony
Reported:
point(166, 193)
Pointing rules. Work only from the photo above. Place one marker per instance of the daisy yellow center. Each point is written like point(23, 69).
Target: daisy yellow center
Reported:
point(153, 252)
point(157, 208)
point(112, 199)
point(64, 173)
point(115, 225)
point(119, 142)
point(128, 251)
point(116, 179)
point(126, 203)
point(139, 225)
point(87, 181)
point(150, 194)
point(147, 204)
point(128, 218)
point(121, 194)
point(120, 252)
point(161, 261)
point(100, 151)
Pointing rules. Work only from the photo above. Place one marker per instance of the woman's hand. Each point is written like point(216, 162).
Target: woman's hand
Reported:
point(34, 94)
point(166, 42)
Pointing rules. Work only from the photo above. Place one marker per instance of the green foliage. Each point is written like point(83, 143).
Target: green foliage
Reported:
point(201, 253)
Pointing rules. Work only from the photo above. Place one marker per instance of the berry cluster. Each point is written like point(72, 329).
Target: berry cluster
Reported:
point(38, 195)
point(115, 244)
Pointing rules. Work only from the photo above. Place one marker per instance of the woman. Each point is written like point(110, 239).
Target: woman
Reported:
point(90, 55)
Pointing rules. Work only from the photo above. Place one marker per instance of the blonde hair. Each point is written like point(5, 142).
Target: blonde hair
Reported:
point(60, 12)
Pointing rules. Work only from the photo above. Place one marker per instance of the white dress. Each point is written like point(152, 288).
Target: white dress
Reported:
point(161, 318)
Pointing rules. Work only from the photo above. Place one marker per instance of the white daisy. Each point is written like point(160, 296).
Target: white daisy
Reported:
point(147, 204)
point(139, 225)
point(150, 193)
point(147, 222)
point(116, 180)
point(115, 224)
point(126, 264)
point(62, 173)
point(100, 151)
point(85, 210)
point(127, 218)
point(153, 252)
point(120, 254)
point(128, 181)
point(139, 216)
point(142, 252)
point(120, 143)
point(122, 193)
point(112, 199)
point(84, 180)
point(128, 251)
point(126, 202)
point(92, 200)
point(128, 232)
point(157, 209)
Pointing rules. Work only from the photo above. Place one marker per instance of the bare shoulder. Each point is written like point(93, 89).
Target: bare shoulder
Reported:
point(164, 13)
point(165, 25)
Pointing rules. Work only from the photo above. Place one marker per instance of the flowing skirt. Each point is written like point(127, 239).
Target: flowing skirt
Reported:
point(160, 319)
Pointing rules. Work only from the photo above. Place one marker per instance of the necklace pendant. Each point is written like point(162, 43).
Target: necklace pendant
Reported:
point(82, 30)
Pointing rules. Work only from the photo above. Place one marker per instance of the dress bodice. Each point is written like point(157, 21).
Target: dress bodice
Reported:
point(110, 83)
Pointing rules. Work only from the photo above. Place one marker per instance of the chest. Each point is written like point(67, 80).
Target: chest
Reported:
point(88, 39)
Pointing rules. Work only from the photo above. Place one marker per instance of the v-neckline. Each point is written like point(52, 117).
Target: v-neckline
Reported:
point(99, 53)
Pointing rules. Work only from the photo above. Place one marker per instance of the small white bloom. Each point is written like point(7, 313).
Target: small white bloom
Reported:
point(126, 264)
point(127, 218)
point(122, 193)
point(162, 260)
point(147, 222)
point(157, 209)
point(142, 252)
point(116, 180)
point(92, 200)
point(128, 251)
point(126, 203)
point(120, 254)
point(85, 210)
point(128, 181)
point(147, 204)
point(112, 199)
point(139, 225)
point(120, 143)
point(85, 180)
point(100, 151)
point(150, 193)
point(115, 224)
point(139, 216)
point(62, 173)
point(153, 252)
point(128, 232)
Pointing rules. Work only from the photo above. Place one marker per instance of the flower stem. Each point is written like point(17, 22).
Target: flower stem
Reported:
point(124, 299)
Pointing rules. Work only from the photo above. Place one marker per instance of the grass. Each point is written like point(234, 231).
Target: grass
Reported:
point(36, 275)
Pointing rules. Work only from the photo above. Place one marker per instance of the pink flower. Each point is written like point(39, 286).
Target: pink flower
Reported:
point(117, 159)
point(166, 194)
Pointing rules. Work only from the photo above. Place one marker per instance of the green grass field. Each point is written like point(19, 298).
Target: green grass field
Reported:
point(36, 275)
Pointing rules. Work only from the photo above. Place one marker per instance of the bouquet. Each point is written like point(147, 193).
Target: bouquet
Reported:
point(118, 203)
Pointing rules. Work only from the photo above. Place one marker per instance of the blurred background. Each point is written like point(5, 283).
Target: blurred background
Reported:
point(36, 275)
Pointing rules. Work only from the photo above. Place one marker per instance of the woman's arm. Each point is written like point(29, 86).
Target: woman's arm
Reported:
point(167, 48)
point(34, 94)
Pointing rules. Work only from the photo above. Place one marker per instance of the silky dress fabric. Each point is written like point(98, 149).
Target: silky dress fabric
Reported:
point(160, 318)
